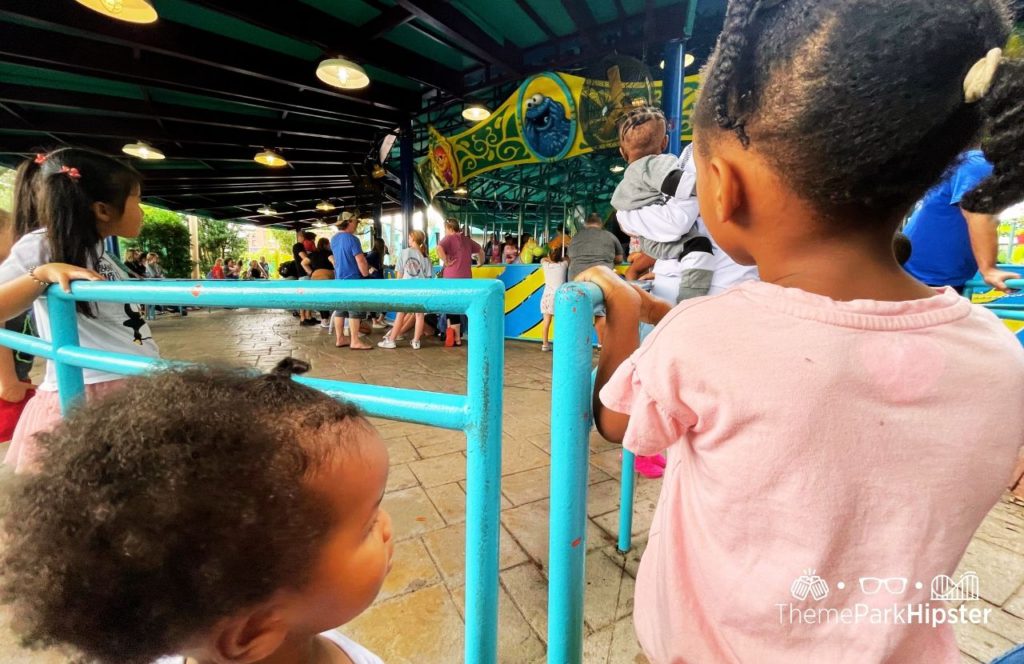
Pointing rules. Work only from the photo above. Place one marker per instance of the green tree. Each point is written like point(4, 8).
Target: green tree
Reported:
point(6, 188)
point(165, 233)
point(219, 239)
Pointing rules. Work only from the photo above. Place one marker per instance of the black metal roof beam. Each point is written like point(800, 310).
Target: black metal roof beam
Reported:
point(278, 189)
point(305, 23)
point(536, 18)
point(115, 106)
point(582, 17)
point(665, 24)
point(200, 189)
point(33, 46)
point(388, 20)
point(70, 124)
point(193, 45)
point(462, 33)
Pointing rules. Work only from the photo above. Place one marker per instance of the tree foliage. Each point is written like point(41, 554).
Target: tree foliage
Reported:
point(219, 239)
point(164, 233)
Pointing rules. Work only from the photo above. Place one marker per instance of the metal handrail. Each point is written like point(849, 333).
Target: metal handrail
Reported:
point(478, 412)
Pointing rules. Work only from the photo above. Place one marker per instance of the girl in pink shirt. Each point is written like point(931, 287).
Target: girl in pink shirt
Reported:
point(836, 433)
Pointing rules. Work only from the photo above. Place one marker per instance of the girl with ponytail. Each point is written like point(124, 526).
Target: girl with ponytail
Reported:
point(815, 421)
point(76, 198)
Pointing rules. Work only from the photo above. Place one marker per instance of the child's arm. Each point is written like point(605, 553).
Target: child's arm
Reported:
point(11, 389)
point(647, 181)
point(663, 222)
point(18, 294)
point(627, 307)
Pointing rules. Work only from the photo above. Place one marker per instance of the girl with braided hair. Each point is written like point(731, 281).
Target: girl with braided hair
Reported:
point(816, 420)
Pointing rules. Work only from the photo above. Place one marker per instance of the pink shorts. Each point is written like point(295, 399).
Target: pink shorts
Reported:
point(41, 414)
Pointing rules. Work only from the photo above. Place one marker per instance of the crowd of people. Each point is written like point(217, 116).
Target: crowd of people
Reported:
point(811, 421)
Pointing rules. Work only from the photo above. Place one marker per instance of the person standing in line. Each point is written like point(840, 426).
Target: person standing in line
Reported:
point(349, 263)
point(949, 242)
point(456, 251)
point(555, 269)
point(300, 254)
point(590, 247)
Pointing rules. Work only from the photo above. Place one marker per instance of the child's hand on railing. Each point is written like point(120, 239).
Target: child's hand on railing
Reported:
point(64, 274)
point(619, 295)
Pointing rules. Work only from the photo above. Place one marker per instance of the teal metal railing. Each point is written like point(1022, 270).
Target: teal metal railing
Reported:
point(477, 412)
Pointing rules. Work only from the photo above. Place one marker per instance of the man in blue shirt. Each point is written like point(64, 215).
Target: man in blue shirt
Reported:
point(948, 243)
point(349, 263)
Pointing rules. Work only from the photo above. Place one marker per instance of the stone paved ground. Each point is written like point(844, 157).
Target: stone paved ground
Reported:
point(419, 614)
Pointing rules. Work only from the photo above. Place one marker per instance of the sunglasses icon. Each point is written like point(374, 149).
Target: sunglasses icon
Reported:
point(895, 585)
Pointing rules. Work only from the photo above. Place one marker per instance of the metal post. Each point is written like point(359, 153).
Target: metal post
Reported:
point(484, 373)
point(64, 331)
point(111, 246)
point(406, 176)
point(571, 419)
point(672, 89)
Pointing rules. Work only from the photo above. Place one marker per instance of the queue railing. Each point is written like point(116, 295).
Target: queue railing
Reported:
point(478, 412)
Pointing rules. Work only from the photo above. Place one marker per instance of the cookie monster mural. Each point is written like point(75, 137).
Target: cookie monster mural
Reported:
point(546, 114)
point(545, 126)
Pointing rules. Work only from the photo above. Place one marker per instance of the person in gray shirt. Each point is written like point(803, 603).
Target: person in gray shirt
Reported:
point(593, 246)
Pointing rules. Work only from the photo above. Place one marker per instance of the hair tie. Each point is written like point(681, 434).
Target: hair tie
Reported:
point(979, 79)
point(40, 158)
point(72, 172)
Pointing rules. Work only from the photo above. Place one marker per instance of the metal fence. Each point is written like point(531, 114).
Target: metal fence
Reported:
point(477, 412)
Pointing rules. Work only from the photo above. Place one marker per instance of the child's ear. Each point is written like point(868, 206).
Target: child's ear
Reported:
point(664, 143)
point(623, 153)
point(725, 188)
point(103, 212)
point(249, 637)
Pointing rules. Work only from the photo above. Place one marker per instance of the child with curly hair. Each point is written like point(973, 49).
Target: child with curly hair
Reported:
point(817, 419)
point(154, 529)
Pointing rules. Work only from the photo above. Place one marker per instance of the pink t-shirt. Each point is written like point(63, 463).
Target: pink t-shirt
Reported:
point(459, 250)
point(856, 439)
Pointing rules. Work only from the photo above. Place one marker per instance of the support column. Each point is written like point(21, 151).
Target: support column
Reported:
point(407, 178)
point(193, 244)
point(672, 92)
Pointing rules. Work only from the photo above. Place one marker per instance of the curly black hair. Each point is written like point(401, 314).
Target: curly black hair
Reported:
point(177, 501)
point(859, 104)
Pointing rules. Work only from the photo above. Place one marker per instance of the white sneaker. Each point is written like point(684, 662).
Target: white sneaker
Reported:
point(544, 348)
point(325, 324)
point(415, 344)
point(386, 343)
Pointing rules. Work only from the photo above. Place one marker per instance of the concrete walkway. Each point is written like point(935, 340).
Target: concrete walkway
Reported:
point(419, 614)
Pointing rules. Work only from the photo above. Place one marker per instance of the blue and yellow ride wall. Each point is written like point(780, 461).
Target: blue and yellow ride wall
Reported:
point(524, 288)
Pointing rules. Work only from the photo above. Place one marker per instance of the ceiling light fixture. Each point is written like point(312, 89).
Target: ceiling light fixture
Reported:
point(142, 150)
point(476, 113)
point(270, 158)
point(617, 168)
point(267, 210)
point(461, 190)
point(132, 11)
point(342, 73)
point(325, 206)
point(688, 60)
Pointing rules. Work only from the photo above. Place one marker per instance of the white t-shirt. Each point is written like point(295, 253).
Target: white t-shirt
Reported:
point(413, 265)
point(118, 328)
point(357, 653)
